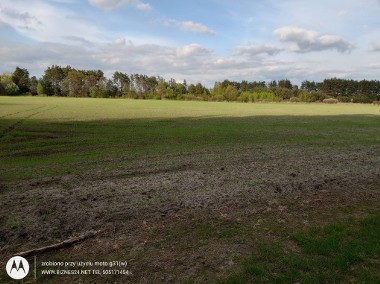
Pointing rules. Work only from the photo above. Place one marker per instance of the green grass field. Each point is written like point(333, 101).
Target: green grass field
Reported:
point(245, 193)
point(327, 255)
point(52, 136)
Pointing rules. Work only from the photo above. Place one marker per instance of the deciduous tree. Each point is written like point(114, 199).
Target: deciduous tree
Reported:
point(21, 78)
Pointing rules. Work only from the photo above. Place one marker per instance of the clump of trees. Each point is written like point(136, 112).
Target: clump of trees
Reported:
point(70, 82)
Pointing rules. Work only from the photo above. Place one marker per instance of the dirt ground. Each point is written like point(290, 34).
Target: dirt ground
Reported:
point(188, 215)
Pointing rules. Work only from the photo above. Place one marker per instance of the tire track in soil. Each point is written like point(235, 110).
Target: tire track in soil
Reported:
point(134, 173)
point(10, 114)
point(12, 127)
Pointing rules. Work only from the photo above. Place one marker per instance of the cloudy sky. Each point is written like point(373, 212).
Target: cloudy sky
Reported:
point(198, 40)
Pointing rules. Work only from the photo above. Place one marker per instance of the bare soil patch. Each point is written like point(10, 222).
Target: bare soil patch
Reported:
point(189, 215)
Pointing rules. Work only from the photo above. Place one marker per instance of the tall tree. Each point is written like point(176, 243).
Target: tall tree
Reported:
point(40, 89)
point(285, 84)
point(21, 78)
point(218, 90)
point(122, 83)
point(272, 84)
point(73, 84)
point(8, 87)
point(33, 85)
point(53, 79)
point(162, 88)
point(309, 86)
point(231, 93)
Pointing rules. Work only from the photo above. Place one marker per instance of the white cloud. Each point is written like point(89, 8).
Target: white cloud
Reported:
point(192, 62)
point(25, 20)
point(257, 49)
point(3, 24)
point(121, 41)
point(191, 50)
point(343, 13)
point(374, 66)
point(112, 4)
point(41, 21)
point(376, 45)
point(295, 34)
point(66, 1)
point(142, 6)
point(196, 27)
point(303, 40)
point(80, 40)
point(189, 26)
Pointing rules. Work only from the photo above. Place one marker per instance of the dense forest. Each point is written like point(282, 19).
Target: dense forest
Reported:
point(70, 82)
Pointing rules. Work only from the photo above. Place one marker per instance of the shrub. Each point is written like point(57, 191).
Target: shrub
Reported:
point(376, 103)
point(283, 93)
point(330, 101)
point(305, 97)
point(258, 97)
point(170, 94)
point(245, 97)
point(132, 95)
point(294, 100)
point(205, 97)
point(344, 99)
point(153, 96)
point(265, 96)
point(217, 98)
point(231, 93)
point(317, 96)
point(263, 101)
point(191, 97)
point(362, 99)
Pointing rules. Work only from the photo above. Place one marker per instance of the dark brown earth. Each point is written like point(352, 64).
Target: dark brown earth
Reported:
point(190, 215)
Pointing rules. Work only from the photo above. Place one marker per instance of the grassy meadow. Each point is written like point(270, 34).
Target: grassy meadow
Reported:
point(47, 136)
point(262, 193)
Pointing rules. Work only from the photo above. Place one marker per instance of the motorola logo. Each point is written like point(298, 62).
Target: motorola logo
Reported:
point(17, 267)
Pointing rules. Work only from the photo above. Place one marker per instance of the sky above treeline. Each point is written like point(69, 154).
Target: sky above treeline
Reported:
point(198, 40)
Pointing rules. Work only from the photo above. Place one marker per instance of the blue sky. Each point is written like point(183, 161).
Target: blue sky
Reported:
point(201, 41)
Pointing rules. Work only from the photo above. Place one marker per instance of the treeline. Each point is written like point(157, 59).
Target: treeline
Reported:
point(70, 82)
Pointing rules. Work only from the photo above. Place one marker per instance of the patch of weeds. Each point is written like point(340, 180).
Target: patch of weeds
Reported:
point(229, 232)
point(203, 230)
point(336, 253)
point(166, 197)
point(205, 276)
point(188, 281)
point(344, 244)
point(200, 233)
point(142, 204)
point(226, 230)
point(12, 223)
point(237, 278)
point(349, 209)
